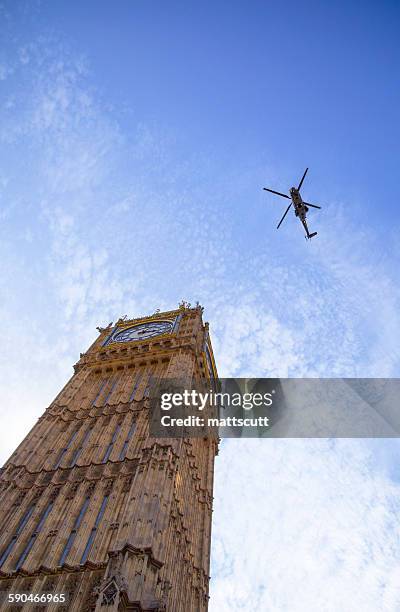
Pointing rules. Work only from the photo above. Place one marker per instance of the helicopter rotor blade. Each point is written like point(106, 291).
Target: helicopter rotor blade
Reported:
point(277, 193)
point(286, 212)
point(312, 205)
point(301, 182)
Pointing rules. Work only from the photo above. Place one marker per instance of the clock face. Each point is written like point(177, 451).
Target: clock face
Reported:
point(143, 331)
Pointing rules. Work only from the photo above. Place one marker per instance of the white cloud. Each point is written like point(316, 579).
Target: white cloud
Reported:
point(317, 525)
point(120, 221)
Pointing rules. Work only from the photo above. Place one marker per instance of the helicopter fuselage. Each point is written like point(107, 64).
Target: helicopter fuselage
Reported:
point(300, 209)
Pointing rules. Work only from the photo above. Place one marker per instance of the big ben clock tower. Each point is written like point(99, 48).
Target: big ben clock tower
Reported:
point(94, 513)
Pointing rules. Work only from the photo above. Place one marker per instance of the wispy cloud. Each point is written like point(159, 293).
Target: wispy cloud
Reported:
point(317, 528)
point(103, 214)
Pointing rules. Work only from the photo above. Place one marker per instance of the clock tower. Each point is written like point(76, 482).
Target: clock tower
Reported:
point(97, 515)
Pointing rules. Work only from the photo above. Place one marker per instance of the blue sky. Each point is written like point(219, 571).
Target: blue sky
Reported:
point(135, 141)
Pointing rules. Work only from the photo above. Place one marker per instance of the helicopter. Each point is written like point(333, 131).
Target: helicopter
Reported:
point(300, 207)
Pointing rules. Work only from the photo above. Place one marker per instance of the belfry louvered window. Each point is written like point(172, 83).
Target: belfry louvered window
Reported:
point(65, 450)
point(94, 530)
point(129, 436)
point(34, 535)
point(111, 444)
point(74, 531)
point(135, 385)
point(109, 393)
point(149, 378)
point(18, 531)
point(102, 385)
point(80, 448)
